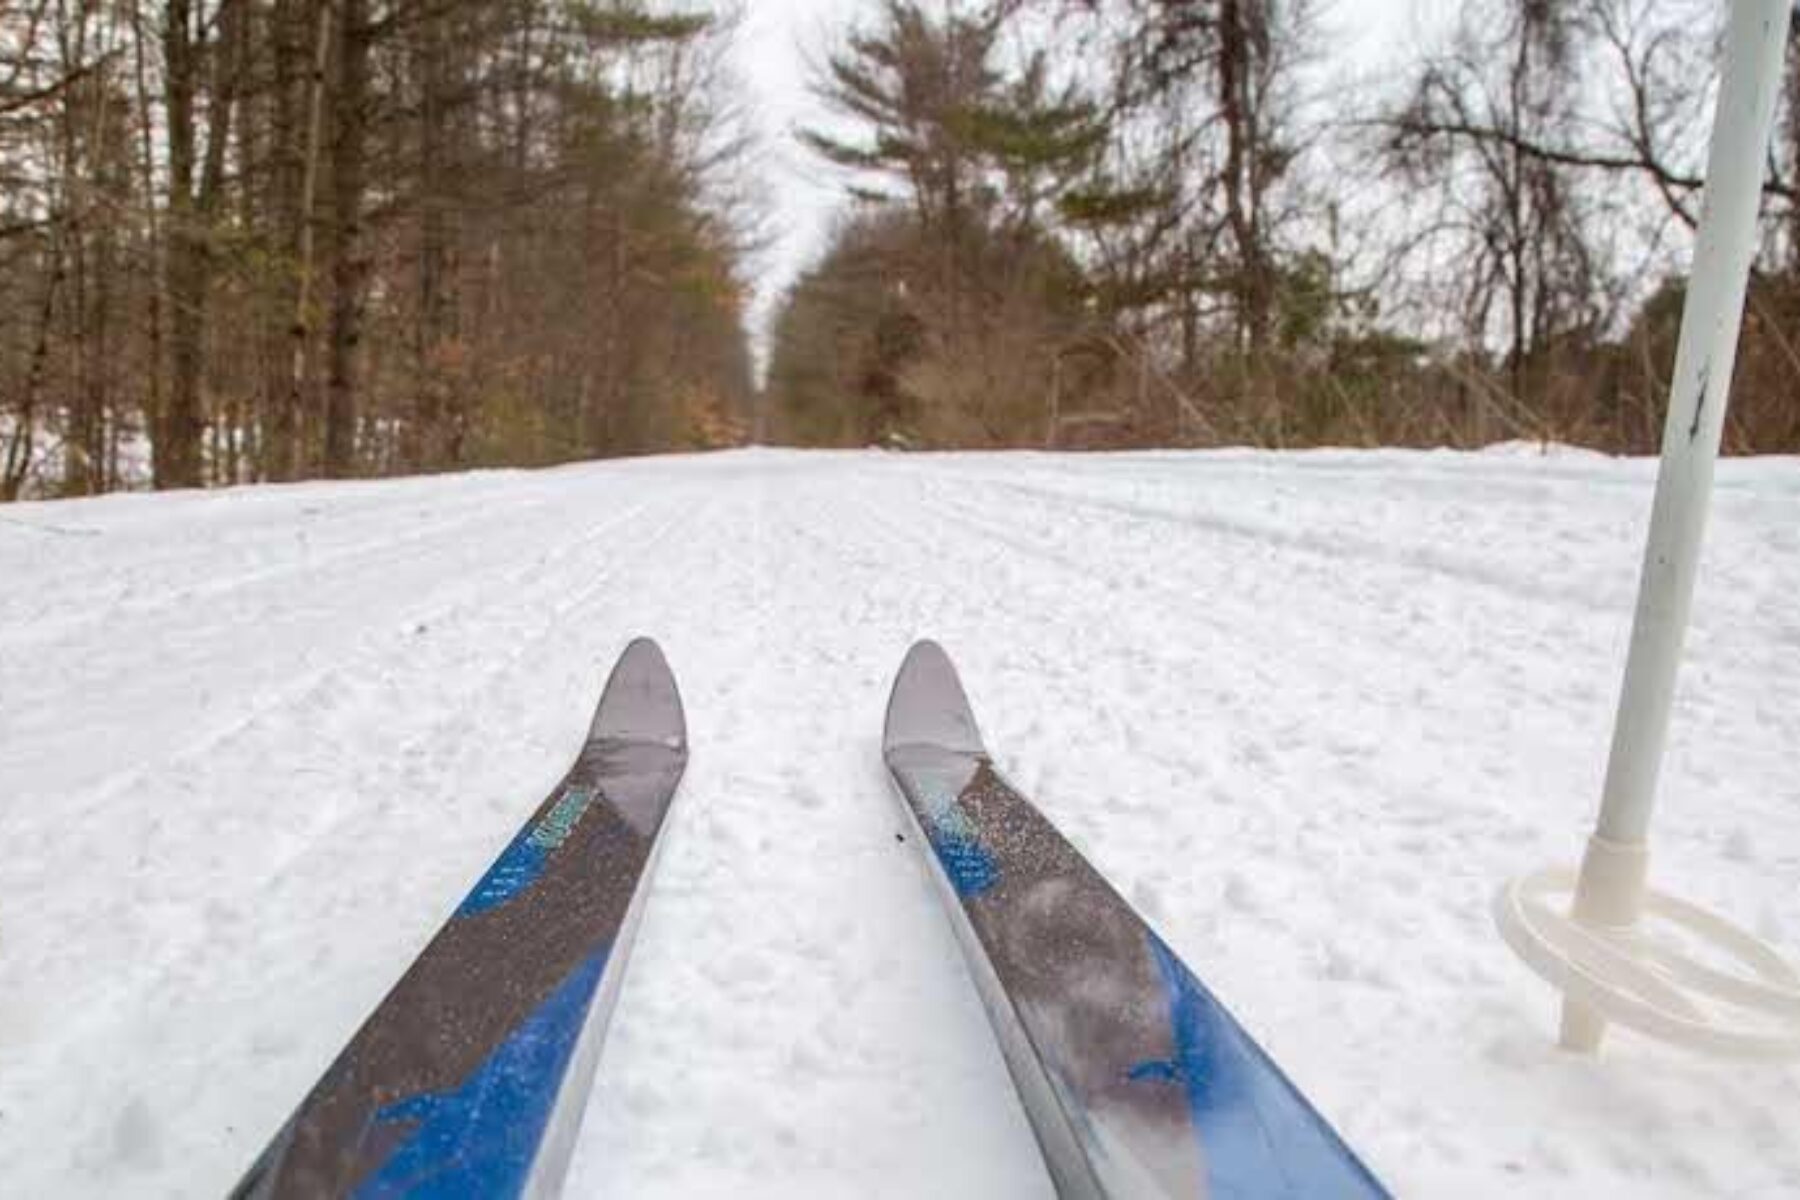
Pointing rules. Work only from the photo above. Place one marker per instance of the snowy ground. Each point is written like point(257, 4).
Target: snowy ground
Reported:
point(1307, 711)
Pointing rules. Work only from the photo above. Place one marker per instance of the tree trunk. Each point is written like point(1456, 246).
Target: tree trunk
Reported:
point(192, 206)
point(82, 446)
point(17, 468)
point(1241, 51)
point(177, 437)
point(1793, 137)
point(425, 442)
point(349, 266)
point(1518, 231)
point(281, 207)
point(153, 372)
point(292, 454)
point(1238, 55)
point(79, 158)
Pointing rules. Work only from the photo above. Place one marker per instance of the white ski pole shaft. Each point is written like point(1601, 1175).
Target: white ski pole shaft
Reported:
point(1612, 881)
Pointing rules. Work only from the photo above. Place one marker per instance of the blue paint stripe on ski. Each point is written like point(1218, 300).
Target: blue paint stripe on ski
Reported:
point(511, 877)
point(483, 1138)
point(971, 868)
point(1258, 1135)
point(523, 863)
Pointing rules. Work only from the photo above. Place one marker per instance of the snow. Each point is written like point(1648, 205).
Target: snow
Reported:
point(1307, 711)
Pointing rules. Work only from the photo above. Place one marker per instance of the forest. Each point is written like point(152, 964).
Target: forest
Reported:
point(280, 239)
point(270, 240)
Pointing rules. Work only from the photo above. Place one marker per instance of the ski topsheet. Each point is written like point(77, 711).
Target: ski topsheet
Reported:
point(1137, 1081)
point(470, 1078)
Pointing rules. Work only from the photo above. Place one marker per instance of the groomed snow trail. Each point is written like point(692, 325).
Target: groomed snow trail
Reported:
point(1306, 711)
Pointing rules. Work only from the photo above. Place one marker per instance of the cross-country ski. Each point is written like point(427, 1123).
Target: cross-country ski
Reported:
point(1138, 1083)
point(471, 1078)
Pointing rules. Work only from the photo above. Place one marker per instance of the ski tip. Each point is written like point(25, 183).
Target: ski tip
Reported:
point(929, 706)
point(641, 702)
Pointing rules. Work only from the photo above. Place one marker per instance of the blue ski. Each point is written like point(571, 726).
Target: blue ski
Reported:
point(470, 1079)
point(1137, 1081)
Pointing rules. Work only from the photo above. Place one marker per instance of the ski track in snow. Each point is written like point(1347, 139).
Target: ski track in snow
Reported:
point(1306, 711)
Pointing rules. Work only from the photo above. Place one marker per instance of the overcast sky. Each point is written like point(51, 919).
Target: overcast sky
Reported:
point(783, 39)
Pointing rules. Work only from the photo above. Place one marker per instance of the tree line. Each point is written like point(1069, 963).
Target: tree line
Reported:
point(246, 240)
point(266, 240)
point(1156, 222)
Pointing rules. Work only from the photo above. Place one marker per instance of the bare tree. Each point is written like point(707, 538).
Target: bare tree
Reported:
point(1526, 258)
point(202, 58)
